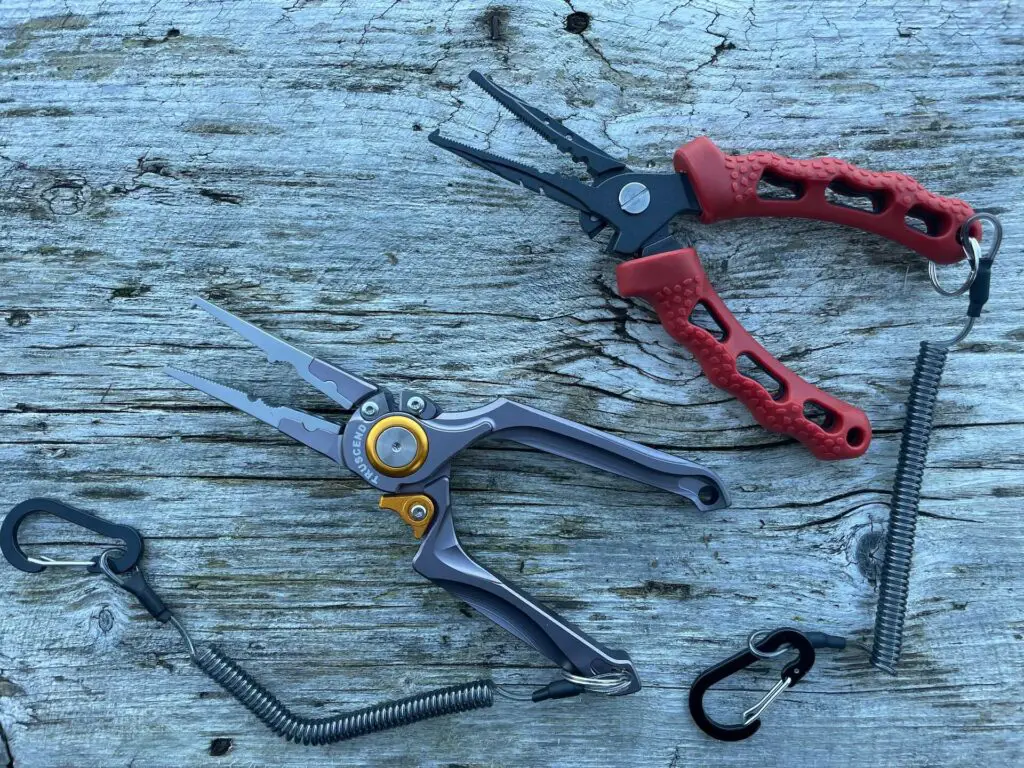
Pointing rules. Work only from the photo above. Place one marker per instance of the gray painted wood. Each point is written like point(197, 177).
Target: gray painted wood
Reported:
point(274, 158)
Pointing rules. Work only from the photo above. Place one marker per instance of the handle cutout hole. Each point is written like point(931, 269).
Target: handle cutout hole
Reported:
point(708, 494)
point(751, 369)
point(703, 317)
point(844, 194)
point(820, 415)
point(772, 187)
point(855, 436)
point(926, 221)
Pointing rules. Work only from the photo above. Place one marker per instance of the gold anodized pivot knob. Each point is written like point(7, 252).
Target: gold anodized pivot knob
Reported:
point(396, 446)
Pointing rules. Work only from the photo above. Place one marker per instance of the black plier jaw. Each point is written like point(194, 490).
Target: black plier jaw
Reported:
point(403, 445)
point(637, 206)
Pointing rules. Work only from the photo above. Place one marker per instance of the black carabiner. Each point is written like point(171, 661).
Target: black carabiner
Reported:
point(127, 559)
point(792, 674)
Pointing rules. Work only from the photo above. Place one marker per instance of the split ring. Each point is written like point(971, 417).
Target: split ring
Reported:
point(972, 250)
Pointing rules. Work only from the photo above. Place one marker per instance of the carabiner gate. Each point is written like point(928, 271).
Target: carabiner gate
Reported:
point(129, 553)
point(792, 673)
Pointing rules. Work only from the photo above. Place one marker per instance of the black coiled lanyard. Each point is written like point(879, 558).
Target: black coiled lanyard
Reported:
point(894, 582)
point(121, 565)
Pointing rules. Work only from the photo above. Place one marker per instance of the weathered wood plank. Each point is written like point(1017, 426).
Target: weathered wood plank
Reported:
point(275, 159)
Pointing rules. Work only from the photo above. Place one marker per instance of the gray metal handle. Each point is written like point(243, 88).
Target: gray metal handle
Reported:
point(442, 560)
point(521, 423)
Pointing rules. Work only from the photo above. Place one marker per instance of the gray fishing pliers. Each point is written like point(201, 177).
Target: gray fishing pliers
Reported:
point(403, 445)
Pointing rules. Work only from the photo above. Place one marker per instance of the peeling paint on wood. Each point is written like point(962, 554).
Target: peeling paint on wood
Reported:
point(275, 160)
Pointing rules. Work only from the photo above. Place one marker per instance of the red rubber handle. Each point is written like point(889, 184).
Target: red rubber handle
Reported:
point(675, 283)
point(726, 187)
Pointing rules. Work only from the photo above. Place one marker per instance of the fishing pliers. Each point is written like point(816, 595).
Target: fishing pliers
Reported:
point(403, 444)
point(638, 208)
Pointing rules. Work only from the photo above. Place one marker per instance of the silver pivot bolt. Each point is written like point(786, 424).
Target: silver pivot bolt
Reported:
point(415, 404)
point(418, 512)
point(369, 410)
point(634, 197)
point(396, 447)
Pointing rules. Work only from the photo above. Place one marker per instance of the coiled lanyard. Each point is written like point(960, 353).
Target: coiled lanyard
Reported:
point(894, 582)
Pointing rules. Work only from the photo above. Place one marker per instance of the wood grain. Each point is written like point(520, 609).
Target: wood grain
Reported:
point(274, 159)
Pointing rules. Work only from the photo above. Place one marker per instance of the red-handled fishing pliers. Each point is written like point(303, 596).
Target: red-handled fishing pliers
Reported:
point(639, 206)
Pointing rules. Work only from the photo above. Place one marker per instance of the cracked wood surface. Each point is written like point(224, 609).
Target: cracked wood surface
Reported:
point(274, 159)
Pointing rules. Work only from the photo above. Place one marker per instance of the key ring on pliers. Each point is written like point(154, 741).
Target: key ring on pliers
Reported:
point(981, 272)
point(972, 251)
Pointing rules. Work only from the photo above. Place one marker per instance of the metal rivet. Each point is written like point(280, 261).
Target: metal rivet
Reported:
point(417, 512)
point(396, 447)
point(369, 410)
point(634, 197)
point(415, 404)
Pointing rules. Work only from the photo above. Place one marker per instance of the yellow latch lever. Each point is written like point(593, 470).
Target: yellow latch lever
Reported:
point(416, 510)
